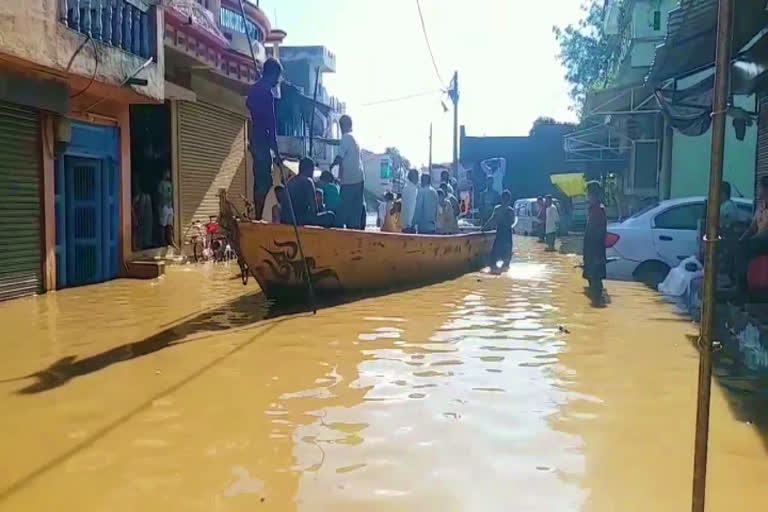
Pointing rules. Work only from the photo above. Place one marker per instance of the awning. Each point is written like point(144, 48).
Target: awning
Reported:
point(570, 184)
point(599, 142)
point(689, 45)
point(177, 92)
point(632, 99)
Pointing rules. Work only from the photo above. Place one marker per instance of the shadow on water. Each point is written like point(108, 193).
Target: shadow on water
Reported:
point(746, 389)
point(571, 244)
point(241, 312)
point(245, 311)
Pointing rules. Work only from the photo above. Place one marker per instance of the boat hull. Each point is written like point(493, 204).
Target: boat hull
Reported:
point(349, 261)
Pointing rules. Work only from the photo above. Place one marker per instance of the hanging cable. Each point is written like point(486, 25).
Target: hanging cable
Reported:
point(402, 98)
point(77, 51)
point(95, 70)
point(429, 46)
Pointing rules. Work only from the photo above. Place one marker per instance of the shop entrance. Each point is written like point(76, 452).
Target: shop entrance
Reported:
point(151, 178)
point(87, 206)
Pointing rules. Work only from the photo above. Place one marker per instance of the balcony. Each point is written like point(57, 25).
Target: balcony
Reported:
point(124, 24)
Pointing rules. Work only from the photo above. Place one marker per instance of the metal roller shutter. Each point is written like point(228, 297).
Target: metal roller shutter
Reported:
point(761, 169)
point(20, 205)
point(211, 156)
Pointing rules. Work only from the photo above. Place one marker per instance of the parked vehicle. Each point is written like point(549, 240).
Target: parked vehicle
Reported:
point(647, 245)
point(209, 242)
point(527, 211)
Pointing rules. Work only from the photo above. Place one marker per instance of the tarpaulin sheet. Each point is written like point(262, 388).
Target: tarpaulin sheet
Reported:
point(570, 184)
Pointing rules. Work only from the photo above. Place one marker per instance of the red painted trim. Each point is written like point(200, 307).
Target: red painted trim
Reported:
point(276, 36)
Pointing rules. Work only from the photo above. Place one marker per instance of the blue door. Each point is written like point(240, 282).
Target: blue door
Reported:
point(84, 220)
point(87, 213)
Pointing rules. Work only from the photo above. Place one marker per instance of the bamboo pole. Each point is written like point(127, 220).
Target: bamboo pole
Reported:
point(719, 110)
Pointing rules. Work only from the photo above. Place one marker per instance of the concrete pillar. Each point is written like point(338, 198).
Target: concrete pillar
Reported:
point(175, 174)
point(665, 175)
point(126, 245)
point(49, 202)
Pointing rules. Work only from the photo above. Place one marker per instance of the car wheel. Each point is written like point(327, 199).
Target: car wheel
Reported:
point(652, 273)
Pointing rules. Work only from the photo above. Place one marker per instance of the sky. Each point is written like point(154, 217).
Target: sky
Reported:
point(504, 51)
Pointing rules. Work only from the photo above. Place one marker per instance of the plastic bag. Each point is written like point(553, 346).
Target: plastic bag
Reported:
point(679, 279)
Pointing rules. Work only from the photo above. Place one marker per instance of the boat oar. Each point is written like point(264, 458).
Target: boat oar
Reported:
point(308, 277)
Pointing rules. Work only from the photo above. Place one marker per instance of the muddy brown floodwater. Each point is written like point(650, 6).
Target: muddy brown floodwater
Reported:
point(184, 394)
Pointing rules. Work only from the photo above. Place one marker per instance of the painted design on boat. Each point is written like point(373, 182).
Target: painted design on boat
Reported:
point(286, 264)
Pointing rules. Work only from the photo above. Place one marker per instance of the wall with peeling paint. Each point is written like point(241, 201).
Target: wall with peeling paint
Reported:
point(31, 30)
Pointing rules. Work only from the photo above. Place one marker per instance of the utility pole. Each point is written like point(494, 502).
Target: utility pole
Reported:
point(430, 149)
point(706, 343)
point(454, 94)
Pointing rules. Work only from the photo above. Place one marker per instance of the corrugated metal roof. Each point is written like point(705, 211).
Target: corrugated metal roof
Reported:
point(692, 32)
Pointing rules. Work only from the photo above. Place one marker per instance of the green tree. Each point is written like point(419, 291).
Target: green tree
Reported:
point(590, 56)
point(549, 121)
point(398, 160)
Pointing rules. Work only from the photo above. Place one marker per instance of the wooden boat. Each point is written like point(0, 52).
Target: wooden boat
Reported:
point(349, 261)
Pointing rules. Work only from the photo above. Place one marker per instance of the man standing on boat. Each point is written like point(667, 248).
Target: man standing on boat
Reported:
point(261, 104)
point(427, 203)
point(410, 192)
point(351, 177)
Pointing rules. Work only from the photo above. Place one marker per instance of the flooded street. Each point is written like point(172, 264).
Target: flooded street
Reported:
point(483, 393)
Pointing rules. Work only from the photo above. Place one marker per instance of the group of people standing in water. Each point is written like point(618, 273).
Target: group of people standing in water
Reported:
point(422, 208)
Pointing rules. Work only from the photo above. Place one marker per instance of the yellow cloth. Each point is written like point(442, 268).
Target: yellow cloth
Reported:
point(571, 184)
point(392, 223)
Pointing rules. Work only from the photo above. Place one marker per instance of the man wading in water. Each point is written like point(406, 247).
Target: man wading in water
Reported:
point(594, 243)
point(261, 104)
point(502, 220)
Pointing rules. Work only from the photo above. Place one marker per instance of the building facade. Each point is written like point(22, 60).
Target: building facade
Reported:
point(203, 142)
point(300, 113)
point(653, 122)
point(69, 72)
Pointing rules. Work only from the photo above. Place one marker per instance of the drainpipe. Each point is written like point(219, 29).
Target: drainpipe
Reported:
point(665, 178)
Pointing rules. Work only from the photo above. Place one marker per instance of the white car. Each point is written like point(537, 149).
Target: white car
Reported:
point(645, 246)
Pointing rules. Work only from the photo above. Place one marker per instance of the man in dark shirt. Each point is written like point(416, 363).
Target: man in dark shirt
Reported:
point(302, 191)
point(263, 140)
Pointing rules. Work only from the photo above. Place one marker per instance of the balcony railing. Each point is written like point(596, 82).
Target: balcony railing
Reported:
point(118, 23)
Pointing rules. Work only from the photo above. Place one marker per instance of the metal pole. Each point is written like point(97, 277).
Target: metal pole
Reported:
point(308, 277)
point(719, 109)
point(455, 99)
point(430, 149)
point(312, 115)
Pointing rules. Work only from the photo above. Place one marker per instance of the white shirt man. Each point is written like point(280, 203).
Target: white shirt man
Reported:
point(350, 210)
point(553, 218)
point(351, 163)
point(410, 192)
